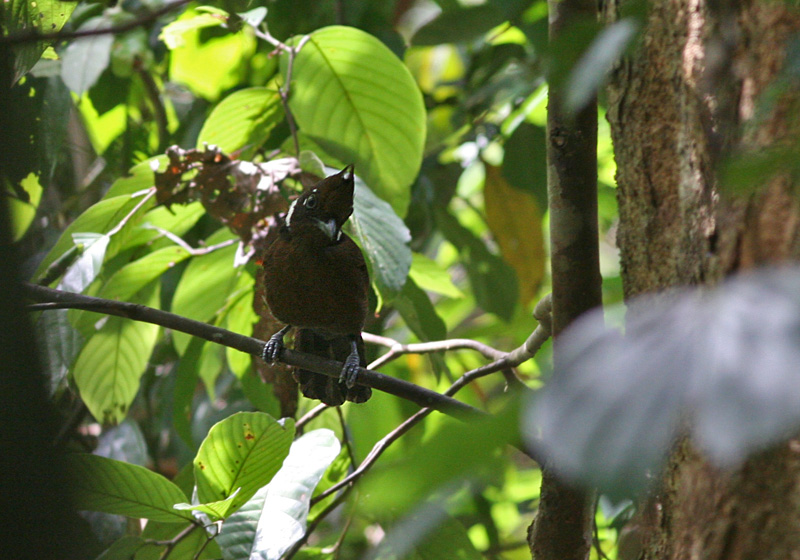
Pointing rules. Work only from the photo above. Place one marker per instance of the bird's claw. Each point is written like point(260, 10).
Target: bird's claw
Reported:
point(272, 350)
point(274, 346)
point(350, 371)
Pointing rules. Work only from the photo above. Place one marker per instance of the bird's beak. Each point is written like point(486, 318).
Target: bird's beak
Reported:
point(330, 228)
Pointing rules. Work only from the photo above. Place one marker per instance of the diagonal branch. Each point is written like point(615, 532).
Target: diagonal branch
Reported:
point(33, 35)
point(57, 299)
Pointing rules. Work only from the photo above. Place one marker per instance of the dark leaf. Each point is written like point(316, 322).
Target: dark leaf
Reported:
point(726, 361)
point(525, 161)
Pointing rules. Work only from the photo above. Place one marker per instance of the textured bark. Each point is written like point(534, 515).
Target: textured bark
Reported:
point(563, 525)
point(690, 96)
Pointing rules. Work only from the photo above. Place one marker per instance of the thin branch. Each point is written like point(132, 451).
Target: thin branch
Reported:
point(170, 544)
point(188, 248)
point(152, 93)
point(396, 349)
point(346, 436)
point(398, 387)
point(310, 415)
point(502, 360)
point(149, 193)
point(283, 91)
point(34, 35)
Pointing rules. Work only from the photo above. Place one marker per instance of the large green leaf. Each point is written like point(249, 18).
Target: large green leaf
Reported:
point(205, 285)
point(209, 67)
point(24, 16)
point(384, 237)
point(109, 367)
point(100, 218)
point(243, 119)
point(275, 518)
point(429, 275)
point(177, 220)
point(110, 486)
point(131, 278)
point(419, 314)
point(240, 454)
point(240, 319)
point(355, 98)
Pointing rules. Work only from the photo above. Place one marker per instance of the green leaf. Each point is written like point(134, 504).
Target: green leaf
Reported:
point(419, 314)
point(173, 33)
point(209, 67)
point(429, 275)
point(240, 454)
point(205, 285)
point(240, 319)
point(183, 393)
point(456, 452)
point(24, 16)
point(243, 119)
point(140, 177)
point(177, 220)
point(275, 518)
point(110, 486)
point(493, 281)
point(99, 218)
point(355, 98)
point(525, 161)
point(109, 367)
point(131, 278)
point(85, 58)
point(134, 276)
point(123, 549)
point(22, 206)
point(384, 238)
point(193, 546)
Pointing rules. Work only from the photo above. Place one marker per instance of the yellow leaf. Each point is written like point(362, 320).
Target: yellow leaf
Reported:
point(516, 224)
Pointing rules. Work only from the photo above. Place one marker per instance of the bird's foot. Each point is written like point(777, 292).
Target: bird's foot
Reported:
point(274, 346)
point(350, 370)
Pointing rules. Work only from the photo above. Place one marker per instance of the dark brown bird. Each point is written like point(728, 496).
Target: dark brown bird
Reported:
point(316, 280)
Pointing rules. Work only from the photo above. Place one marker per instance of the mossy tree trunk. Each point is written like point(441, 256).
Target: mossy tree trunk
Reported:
point(710, 82)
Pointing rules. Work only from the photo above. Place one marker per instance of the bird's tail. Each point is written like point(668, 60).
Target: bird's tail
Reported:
point(321, 387)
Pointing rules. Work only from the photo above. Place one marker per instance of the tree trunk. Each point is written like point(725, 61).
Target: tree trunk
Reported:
point(563, 526)
point(707, 84)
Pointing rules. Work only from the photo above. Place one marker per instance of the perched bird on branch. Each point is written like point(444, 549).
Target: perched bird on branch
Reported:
point(316, 281)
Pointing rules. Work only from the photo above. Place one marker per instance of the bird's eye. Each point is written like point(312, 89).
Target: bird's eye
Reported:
point(310, 202)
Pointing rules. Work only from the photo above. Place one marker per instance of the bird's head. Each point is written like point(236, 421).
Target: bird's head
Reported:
point(324, 207)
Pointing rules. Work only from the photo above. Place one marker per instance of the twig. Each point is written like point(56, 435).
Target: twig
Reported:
point(151, 90)
point(283, 92)
point(396, 349)
point(310, 415)
point(188, 248)
point(346, 436)
point(398, 387)
point(36, 35)
point(174, 541)
point(502, 360)
point(149, 193)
